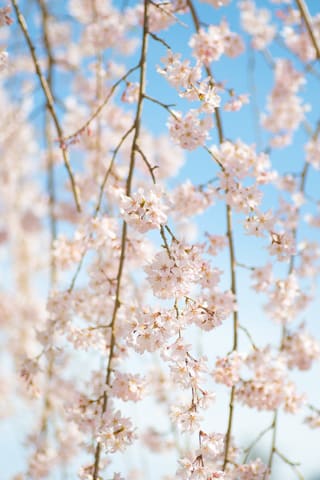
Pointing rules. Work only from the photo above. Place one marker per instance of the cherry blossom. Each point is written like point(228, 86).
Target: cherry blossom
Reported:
point(256, 23)
point(209, 46)
point(144, 210)
point(189, 131)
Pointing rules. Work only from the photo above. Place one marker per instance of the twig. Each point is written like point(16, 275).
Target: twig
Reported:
point(170, 233)
point(255, 441)
point(214, 157)
point(164, 238)
point(146, 161)
point(78, 269)
point(202, 186)
point(243, 265)
point(101, 106)
point(115, 152)
point(291, 464)
point(163, 105)
point(246, 331)
point(163, 10)
point(160, 40)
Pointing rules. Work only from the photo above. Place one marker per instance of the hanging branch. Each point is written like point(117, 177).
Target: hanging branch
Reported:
point(50, 102)
point(302, 186)
point(308, 21)
point(232, 258)
point(51, 186)
point(137, 123)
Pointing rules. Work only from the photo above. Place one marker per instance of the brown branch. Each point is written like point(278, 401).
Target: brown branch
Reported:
point(160, 40)
point(163, 105)
point(146, 161)
point(165, 241)
point(197, 25)
point(50, 102)
point(308, 21)
point(137, 123)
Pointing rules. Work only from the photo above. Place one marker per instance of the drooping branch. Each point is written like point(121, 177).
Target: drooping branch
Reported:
point(51, 186)
point(308, 21)
point(232, 258)
point(117, 303)
point(49, 98)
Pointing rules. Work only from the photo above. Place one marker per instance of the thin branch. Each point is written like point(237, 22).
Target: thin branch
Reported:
point(163, 105)
point(101, 106)
point(165, 241)
point(160, 40)
point(273, 443)
point(291, 464)
point(171, 233)
point(255, 441)
point(146, 161)
point(216, 159)
point(78, 269)
point(247, 267)
point(197, 25)
point(165, 12)
point(115, 152)
point(202, 186)
point(308, 21)
point(50, 102)
point(248, 334)
point(313, 408)
point(51, 187)
point(137, 123)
